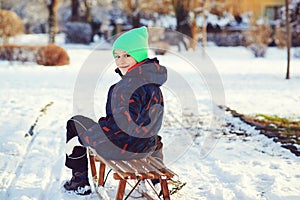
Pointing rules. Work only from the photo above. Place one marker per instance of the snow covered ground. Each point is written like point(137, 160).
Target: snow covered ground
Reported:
point(236, 167)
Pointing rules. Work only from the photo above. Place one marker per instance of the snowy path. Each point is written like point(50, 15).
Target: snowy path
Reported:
point(35, 169)
point(238, 167)
point(36, 172)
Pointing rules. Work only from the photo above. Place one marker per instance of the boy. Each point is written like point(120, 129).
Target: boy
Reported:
point(134, 111)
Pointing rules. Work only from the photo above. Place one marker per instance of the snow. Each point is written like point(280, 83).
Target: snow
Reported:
point(216, 164)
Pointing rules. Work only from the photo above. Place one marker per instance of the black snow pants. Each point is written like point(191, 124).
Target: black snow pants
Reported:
point(78, 160)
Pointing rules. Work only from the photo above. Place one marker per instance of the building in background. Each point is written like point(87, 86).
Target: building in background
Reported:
point(259, 8)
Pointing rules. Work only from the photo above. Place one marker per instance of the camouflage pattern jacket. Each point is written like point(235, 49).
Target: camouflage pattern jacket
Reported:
point(134, 112)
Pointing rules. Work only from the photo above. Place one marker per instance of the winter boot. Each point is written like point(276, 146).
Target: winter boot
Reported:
point(79, 183)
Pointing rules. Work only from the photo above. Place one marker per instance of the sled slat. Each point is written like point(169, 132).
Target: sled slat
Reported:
point(138, 169)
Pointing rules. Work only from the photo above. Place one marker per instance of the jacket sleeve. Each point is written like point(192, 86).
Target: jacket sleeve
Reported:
point(109, 124)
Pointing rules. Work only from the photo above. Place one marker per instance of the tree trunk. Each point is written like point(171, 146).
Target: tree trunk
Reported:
point(52, 7)
point(88, 14)
point(206, 9)
point(135, 13)
point(204, 32)
point(288, 38)
point(74, 14)
point(182, 17)
point(135, 18)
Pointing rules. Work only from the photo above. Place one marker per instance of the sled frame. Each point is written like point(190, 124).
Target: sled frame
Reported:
point(140, 169)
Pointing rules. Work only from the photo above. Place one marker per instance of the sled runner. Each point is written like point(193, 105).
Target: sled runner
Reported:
point(142, 169)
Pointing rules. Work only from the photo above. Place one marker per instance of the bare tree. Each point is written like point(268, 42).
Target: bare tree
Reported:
point(52, 21)
point(207, 6)
point(81, 10)
point(206, 9)
point(288, 38)
point(75, 4)
point(88, 13)
point(133, 9)
point(182, 9)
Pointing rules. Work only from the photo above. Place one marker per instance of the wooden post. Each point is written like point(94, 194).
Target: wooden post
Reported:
point(93, 166)
point(101, 174)
point(164, 188)
point(121, 189)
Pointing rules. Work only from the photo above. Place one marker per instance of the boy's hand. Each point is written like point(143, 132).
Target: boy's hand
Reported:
point(101, 119)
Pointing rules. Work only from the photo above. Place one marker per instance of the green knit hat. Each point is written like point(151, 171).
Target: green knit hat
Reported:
point(134, 42)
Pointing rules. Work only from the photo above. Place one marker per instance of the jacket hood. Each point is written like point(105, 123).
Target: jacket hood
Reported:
point(149, 71)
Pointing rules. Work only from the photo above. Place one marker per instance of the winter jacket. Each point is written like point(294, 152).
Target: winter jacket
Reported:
point(134, 112)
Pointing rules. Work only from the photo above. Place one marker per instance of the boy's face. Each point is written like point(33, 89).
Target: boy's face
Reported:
point(123, 60)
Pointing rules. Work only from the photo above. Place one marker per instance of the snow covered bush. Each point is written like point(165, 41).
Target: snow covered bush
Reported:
point(78, 32)
point(10, 25)
point(226, 29)
point(34, 13)
point(18, 53)
point(297, 52)
point(258, 38)
point(52, 55)
point(294, 11)
point(229, 39)
point(280, 37)
point(258, 49)
point(295, 22)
